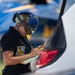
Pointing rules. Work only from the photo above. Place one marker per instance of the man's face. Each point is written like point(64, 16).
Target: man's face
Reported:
point(22, 31)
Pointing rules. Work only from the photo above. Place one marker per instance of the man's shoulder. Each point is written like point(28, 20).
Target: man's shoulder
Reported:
point(9, 33)
point(6, 35)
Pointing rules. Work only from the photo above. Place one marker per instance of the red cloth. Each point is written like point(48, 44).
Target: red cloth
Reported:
point(46, 56)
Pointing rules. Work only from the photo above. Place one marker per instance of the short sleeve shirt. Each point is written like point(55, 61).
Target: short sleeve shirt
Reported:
point(13, 41)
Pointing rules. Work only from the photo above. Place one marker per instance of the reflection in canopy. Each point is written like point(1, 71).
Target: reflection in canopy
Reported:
point(56, 42)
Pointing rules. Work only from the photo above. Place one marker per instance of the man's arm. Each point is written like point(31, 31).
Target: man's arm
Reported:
point(9, 59)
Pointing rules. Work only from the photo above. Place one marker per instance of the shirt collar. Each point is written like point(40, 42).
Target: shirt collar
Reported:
point(15, 32)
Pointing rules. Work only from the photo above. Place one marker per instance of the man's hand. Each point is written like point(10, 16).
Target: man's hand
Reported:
point(36, 50)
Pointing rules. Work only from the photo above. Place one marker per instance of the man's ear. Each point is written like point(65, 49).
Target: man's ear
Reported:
point(18, 24)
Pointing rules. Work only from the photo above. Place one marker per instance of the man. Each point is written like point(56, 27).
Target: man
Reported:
point(15, 45)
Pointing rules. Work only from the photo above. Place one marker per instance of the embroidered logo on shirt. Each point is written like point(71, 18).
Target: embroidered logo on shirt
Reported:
point(20, 50)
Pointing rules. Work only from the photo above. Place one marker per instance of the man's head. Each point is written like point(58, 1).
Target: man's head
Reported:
point(28, 20)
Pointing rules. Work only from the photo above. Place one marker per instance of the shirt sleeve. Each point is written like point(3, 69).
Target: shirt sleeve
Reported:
point(7, 44)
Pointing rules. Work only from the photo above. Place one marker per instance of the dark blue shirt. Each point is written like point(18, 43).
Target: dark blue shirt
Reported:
point(13, 41)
